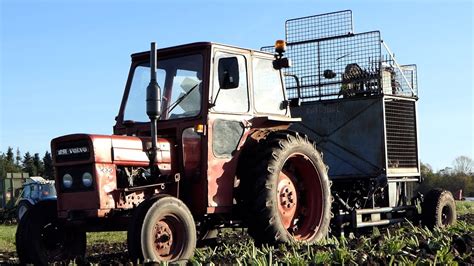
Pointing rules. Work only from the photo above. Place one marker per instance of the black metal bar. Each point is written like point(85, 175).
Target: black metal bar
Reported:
point(319, 70)
point(323, 39)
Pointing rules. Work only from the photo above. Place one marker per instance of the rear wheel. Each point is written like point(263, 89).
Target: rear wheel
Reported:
point(168, 232)
point(42, 238)
point(290, 201)
point(438, 209)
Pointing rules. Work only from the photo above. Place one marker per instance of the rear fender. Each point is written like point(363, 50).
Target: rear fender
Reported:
point(252, 143)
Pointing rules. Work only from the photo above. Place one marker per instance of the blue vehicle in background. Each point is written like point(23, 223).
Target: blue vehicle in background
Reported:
point(35, 189)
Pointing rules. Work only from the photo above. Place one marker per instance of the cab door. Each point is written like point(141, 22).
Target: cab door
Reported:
point(227, 120)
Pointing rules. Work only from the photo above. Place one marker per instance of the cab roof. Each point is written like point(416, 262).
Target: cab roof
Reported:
point(191, 46)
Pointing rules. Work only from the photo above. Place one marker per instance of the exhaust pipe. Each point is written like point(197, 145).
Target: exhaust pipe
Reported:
point(153, 107)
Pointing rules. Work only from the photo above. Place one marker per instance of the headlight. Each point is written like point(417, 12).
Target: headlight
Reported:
point(67, 181)
point(87, 179)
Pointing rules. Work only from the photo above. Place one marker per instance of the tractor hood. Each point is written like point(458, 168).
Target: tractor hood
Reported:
point(119, 150)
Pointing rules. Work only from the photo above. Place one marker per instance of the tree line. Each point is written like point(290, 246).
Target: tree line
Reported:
point(34, 165)
point(458, 177)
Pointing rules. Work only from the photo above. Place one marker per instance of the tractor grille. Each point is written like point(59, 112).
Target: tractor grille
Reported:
point(401, 134)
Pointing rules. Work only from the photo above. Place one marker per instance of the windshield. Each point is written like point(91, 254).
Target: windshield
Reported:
point(48, 190)
point(180, 81)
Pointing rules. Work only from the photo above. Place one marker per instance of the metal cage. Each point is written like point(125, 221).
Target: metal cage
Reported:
point(333, 62)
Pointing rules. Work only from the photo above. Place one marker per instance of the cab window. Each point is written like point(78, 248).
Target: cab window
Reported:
point(180, 80)
point(267, 87)
point(235, 100)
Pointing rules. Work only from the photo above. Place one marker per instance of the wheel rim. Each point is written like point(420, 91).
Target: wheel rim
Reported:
point(168, 237)
point(287, 199)
point(446, 216)
point(300, 197)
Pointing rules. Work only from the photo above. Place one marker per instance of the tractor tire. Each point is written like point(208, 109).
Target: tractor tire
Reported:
point(438, 209)
point(134, 231)
point(168, 233)
point(22, 208)
point(41, 238)
point(289, 199)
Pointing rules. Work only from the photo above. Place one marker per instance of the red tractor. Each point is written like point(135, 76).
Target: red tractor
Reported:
point(218, 147)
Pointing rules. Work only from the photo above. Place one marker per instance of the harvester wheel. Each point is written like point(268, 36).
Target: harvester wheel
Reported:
point(290, 201)
point(41, 238)
point(438, 209)
point(168, 232)
point(22, 208)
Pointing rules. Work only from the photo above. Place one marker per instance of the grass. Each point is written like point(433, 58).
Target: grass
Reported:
point(7, 238)
point(464, 207)
point(106, 237)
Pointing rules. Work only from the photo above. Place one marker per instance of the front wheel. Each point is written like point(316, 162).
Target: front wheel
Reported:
point(168, 232)
point(290, 199)
point(41, 238)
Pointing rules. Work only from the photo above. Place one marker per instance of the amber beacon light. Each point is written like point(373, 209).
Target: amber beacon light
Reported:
point(280, 46)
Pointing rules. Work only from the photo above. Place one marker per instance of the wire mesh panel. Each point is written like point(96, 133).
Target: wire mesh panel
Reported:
point(319, 26)
point(349, 65)
point(336, 67)
point(305, 64)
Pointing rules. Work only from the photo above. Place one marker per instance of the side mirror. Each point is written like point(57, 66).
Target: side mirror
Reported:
point(228, 73)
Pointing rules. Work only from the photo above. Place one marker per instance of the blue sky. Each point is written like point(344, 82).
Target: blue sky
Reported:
point(64, 63)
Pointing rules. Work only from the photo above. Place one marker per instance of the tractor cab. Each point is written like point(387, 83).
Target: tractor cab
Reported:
point(201, 79)
point(212, 97)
